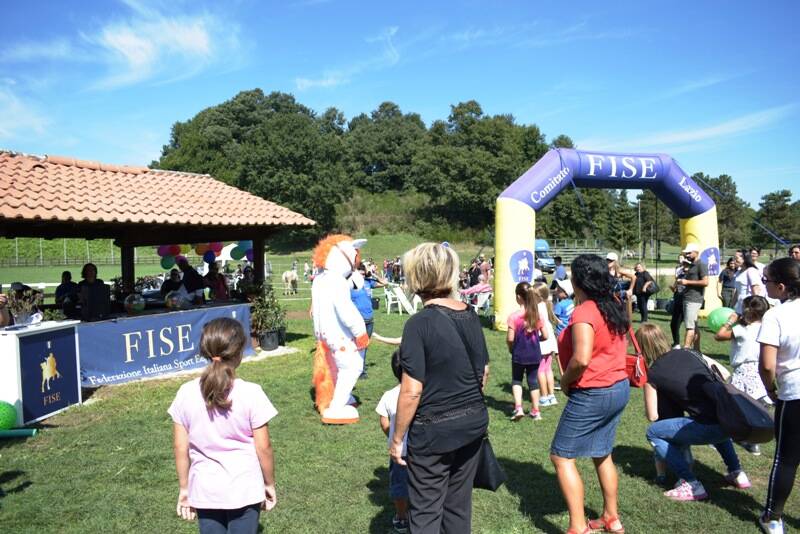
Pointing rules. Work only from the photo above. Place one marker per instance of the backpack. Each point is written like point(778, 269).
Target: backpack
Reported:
point(526, 350)
point(741, 416)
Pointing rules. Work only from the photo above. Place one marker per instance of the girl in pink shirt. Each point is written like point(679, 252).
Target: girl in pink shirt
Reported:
point(223, 453)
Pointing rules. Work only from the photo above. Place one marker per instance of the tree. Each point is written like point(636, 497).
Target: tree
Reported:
point(381, 148)
point(776, 214)
point(733, 214)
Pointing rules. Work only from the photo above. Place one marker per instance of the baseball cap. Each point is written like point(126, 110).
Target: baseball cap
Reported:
point(566, 285)
point(612, 256)
point(691, 247)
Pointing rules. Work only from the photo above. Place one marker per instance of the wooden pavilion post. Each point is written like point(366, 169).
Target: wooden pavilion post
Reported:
point(128, 268)
point(258, 259)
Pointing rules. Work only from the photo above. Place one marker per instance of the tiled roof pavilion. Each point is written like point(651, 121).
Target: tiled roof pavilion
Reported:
point(55, 197)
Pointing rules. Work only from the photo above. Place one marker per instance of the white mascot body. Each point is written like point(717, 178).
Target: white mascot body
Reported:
point(339, 329)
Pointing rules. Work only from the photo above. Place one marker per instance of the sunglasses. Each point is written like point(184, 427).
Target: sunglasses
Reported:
point(765, 280)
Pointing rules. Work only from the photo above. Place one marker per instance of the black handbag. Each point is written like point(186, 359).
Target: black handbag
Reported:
point(741, 416)
point(489, 475)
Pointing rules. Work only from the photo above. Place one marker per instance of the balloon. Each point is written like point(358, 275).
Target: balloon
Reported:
point(179, 258)
point(163, 250)
point(174, 250)
point(8, 416)
point(209, 256)
point(168, 262)
point(201, 249)
point(245, 245)
point(237, 253)
point(249, 254)
point(717, 318)
point(215, 246)
point(134, 303)
point(217, 253)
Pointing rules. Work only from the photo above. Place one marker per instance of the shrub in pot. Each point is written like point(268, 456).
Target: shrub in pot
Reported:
point(267, 319)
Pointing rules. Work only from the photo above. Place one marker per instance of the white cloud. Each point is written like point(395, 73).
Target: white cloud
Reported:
point(331, 78)
point(59, 49)
point(692, 139)
point(150, 45)
point(18, 117)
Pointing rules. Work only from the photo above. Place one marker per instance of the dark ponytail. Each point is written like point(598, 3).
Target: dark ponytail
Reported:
point(786, 271)
point(590, 274)
point(221, 342)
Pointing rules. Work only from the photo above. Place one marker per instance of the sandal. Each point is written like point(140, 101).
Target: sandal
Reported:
point(603, 525)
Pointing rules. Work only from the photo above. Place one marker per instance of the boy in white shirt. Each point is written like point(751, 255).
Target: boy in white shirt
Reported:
point(398, 474)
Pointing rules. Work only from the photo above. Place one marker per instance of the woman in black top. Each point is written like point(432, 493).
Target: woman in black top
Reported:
point(445, 366)
point(727, 283)
point(676, 382)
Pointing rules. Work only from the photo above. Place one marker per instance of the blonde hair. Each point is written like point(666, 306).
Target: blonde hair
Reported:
point(431, 270)
point(543, 293)
point(530, 301)
point(222, 342)
point(652, 341)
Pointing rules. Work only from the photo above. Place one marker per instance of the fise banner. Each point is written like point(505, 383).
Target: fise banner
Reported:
point(113, 352)
point(49, 373)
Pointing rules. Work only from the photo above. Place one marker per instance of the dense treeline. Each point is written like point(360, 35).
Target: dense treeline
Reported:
point(277, 148)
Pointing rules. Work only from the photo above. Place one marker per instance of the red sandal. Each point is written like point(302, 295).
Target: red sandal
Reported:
point(603, 525)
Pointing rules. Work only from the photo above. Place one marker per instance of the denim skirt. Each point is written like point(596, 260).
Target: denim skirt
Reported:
point(588, 424)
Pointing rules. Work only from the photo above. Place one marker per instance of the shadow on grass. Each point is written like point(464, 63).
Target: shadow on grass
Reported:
point(379, 495)
point(295, 336)
point(10, 476)
point(638, 462)
point(539, 499)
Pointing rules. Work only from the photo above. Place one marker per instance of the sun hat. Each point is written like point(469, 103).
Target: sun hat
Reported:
point(691, 247)
point(612, 256)
point(566, 285)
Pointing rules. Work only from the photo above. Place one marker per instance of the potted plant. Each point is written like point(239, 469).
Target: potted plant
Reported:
point(267, 319)
point(24, 305)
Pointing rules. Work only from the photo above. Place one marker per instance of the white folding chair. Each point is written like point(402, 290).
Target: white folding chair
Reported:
point(392, 302)
point(482, 303)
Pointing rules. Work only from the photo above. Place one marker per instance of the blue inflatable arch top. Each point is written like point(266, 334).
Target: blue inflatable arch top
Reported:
point(656, 172)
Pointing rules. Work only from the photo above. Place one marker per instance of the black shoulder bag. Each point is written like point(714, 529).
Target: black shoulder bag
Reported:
point(489, 474)
point(741, 416)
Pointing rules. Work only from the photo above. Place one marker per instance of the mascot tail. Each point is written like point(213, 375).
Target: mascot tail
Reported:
point(322, 378)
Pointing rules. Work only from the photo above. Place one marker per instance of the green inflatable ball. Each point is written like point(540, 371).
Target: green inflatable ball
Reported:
point(8, 416)
point(717, 318)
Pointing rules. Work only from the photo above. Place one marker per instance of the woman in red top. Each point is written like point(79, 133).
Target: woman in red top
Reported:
point(592, 352)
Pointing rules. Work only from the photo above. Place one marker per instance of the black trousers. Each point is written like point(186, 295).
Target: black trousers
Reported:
point(787, 457)
point(440, 490)
point(641, 303)
point(677, 320)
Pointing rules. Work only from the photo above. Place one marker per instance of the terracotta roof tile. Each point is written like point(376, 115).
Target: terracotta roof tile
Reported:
point(62, 188)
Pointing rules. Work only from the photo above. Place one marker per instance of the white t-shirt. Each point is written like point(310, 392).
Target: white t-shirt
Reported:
point(780, 328)
point(744, 282)
point(387, 407)
point(745, 346)
point(551, 343)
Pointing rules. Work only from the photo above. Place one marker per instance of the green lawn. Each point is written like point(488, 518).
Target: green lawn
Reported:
point(107, 466)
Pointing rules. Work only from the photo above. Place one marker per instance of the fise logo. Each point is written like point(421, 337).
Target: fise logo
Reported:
point(521, 266)
point(710, 257)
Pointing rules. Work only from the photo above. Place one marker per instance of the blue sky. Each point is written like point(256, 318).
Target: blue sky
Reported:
point(714, 84)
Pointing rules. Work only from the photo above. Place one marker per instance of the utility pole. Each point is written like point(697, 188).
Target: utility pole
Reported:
point(41, 257)
point(65, 251)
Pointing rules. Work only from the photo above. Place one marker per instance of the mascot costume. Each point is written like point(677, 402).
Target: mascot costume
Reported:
point(339, 329)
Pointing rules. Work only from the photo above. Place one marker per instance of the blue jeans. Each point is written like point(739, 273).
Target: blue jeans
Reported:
point(241, 521)
point(671, 438)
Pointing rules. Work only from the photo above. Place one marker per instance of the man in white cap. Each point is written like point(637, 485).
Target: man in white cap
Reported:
point(694, 282)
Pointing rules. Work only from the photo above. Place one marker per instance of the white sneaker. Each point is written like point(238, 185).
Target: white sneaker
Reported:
point(553, 400)
point(687, 491)
point(676, 347)
point(544, 401)
point(738, 479)
point(774, 526)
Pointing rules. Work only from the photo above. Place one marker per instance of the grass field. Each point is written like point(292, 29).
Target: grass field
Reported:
point(107, 466)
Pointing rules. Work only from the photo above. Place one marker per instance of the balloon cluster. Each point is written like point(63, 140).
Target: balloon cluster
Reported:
point(243, 249)
point(171, 254)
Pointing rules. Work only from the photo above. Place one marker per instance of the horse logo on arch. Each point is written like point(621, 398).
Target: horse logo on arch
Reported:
point(49, 371)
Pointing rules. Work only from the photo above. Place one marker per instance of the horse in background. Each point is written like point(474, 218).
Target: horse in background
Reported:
point(289, 282)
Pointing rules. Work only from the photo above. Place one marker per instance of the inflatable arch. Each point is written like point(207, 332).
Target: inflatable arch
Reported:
point(518, 204)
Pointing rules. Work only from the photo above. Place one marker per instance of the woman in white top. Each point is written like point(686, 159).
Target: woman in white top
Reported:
point(779, 366)
point(747, 279)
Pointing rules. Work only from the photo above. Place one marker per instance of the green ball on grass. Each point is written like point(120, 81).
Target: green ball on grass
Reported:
point(8, 416)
